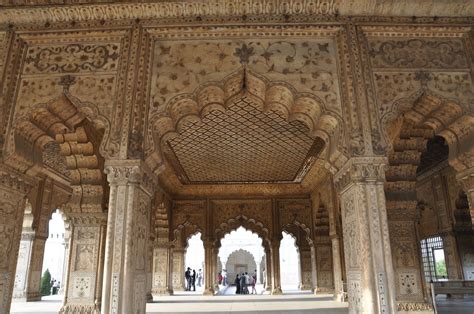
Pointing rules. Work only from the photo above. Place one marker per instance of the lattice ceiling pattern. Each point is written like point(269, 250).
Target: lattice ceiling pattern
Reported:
point(243, 144)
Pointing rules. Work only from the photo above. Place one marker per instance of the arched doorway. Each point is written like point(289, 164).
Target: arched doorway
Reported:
point(290, 264)
point(241, 253)
point(194, 259)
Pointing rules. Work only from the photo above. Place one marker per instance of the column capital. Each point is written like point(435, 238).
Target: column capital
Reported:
point(127, 171)
point(361, 169)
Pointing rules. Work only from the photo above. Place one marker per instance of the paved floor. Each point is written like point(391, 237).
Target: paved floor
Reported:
point(291, 302)
point(227, 302)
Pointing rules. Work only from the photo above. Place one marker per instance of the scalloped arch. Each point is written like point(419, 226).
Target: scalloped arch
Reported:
point(280, 97)
point(445, 117)
point(290, 229)
point(184, 231)
point(64, 123)
point(242, 221)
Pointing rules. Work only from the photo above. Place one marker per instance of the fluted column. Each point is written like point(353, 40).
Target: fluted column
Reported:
point(13, 192)
point(275, 264)
point(337, 268)
point(268, 270)
point(128, 228)
point(368, 257)
point(209, 268)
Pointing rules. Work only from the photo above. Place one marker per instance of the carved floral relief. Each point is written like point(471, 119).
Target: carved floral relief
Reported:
point(181, 66)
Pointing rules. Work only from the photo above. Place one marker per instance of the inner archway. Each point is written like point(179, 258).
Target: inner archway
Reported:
point(290, 264)
point(241, 253)
point(194, 259)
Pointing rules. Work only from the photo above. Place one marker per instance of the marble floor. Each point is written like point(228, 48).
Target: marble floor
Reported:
point(291, 302)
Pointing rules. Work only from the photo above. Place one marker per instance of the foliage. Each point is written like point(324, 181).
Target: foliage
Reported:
point(441, 269)
point(45, 288)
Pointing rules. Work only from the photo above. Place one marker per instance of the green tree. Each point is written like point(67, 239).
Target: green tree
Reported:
point(441, 268)
point(45, 287)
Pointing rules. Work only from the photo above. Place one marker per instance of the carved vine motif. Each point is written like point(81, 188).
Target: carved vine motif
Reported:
point(71, 58)
point(418, 53)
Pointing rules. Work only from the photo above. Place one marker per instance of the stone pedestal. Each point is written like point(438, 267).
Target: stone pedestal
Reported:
point(12, 207)
point(178, 269)
point(367, 250)
point(161, 270)
point(85, 263)
point(306, 269)
point(29, 266)
point(128, 228)
point(275, 266)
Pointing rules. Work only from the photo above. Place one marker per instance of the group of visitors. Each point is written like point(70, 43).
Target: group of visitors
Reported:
point(191, 277)
point(243, 281)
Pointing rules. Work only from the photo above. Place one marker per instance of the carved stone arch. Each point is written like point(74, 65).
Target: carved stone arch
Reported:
point(280, 97)
point(427, 112)
point(299, 231)
point(183, 232)
point(246, 222)
point(244, 250)
point(58, 135)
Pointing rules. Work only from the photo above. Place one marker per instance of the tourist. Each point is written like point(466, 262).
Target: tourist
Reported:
point(253, 281)
point(224, 277)
point(219, 278)
point(264, 279)
point(193, 280)
point(187, 276)
point(237, 284)
point(199, 278)
point(243, 284)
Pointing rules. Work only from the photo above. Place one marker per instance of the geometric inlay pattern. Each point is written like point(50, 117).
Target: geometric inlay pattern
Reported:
point(243, 145)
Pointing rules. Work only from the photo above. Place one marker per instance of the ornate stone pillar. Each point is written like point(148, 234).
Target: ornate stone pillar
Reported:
point(209, 267)
point(306, 269)
point(29, 266)
point(149, 269)
point(162, 269)
point(13, 192)
point(85, 263)
point(178, 267)
point(368, 257)
point(275, 266)
point(128, 231)
point(67, 241)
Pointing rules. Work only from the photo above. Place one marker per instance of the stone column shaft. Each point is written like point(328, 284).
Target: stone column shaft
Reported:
point(85, 263)
point(209, 268)
point(161, 270)
point(268, 270)
point(275, 266)
point(12, 208)
point(366, 240)
point(337, 268)
point(124, 286)
point(306, 269)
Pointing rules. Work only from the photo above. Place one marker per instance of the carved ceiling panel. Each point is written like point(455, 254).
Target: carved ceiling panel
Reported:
point(244, 144)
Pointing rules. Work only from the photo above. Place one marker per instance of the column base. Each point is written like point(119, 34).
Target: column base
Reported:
point(208, 291)
point(305, 287)
point(267, 288)
point(414, 307)
point(277, 291)
point(80, 308)
point(149, 298)
point(162, 292)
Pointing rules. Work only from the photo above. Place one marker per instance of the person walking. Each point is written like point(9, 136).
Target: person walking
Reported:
point(199, 278)
point(237, 284)
point(253, 281)
point(193, 280)
point(187, 276)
